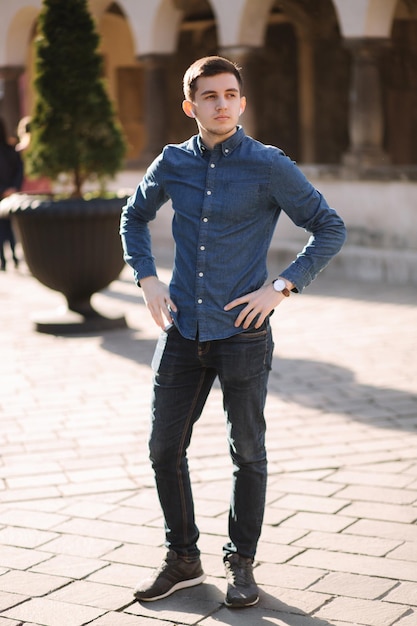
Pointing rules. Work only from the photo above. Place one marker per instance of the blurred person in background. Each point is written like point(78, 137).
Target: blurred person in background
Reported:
point(11, 178)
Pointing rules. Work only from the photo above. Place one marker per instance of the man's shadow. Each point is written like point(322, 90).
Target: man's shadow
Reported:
point(207, 601)
point(323, 386)
point(333, 389)
point(315, 384)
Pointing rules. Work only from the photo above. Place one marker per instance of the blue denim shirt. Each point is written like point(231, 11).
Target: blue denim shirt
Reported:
point(226, 203)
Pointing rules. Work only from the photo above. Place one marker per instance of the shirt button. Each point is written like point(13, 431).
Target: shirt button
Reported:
point(227, 150)
point(201, 274)
point(212, 165)
point(209, 193)
point(205, 219)
point(199, 301)
point(202, 247)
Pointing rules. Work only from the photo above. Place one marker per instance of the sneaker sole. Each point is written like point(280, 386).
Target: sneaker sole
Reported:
point(183, 584)
point(232, 605)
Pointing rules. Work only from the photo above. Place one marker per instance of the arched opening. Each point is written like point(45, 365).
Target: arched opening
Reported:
point(124, 75)
point(303, 78)
point(399, 85)
point(197, 37)
point(16, 91)
point(277, 93)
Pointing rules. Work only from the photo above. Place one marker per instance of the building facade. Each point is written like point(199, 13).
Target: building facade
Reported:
point(329, 81)
point(332, 82)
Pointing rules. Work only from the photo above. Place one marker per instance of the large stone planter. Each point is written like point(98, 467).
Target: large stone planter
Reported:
point(71, 246)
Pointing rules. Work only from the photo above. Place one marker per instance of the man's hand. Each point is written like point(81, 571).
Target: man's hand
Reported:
point(157, 299)
point(259, 305)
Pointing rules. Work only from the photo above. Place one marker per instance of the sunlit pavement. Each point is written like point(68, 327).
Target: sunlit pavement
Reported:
point(79, 519)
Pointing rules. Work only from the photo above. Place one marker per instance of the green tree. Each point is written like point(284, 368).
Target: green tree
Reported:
point(73, 127)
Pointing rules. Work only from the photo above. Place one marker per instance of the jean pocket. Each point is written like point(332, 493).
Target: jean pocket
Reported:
point(253, 332)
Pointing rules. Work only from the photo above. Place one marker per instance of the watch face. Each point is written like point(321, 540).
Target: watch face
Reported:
point(279, 284)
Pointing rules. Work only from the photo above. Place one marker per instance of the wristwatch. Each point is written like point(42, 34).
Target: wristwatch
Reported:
point(280, 285)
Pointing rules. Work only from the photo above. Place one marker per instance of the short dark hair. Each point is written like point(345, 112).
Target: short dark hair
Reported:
point(209, 66)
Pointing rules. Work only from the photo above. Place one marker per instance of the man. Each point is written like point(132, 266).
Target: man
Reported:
point(227, 191)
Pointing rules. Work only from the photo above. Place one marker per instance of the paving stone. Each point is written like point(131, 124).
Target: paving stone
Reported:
point(134, 555)
point(290, 600)
point(386, 512)
point(110, 597)
point(403, 593)
point(308, 487)
point(67, 565)
point(122, 619)
point(131, 515)
point(50, 613)
point(378, 494)
point(316, 504)
point(375, 476)
point(381, 528)
point(21, 558)
point(275, 553)
point(318, 521)
point(80, 546)
point(344, 542)
point(8, 599)
point(25, 537)
point(280, 535)
point(97, 486)
point(406, 552)
point(258, 615)
point(20, 495)
point(37, 481)
point(288, 576)
point(124, 575)
point(184, 607)
point(274, 516)
point(30, 583)
point(364, 612)
point(410, 619)
point(32, 519)
point(357, 564)
point(45, 505)
point(355, 586)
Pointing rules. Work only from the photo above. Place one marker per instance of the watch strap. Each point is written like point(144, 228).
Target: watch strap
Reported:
point(285, 292)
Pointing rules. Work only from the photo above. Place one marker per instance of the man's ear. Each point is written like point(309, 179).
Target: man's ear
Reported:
point(242, 105)
point(188, 108)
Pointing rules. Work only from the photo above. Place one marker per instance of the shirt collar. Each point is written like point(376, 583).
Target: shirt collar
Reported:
point(227, 146)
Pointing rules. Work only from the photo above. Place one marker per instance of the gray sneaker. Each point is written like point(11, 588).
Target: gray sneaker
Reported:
point(173, 574)
point(242, 589)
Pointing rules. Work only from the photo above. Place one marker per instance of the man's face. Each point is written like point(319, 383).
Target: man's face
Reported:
point(216, 107)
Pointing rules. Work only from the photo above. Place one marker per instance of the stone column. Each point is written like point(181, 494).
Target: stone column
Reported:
point(366, 119)
point(306, 83)
point(245, 58)
point(155, 105)
point(10, 109)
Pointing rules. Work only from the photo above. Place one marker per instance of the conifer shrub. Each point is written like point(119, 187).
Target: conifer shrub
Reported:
point(74, 130)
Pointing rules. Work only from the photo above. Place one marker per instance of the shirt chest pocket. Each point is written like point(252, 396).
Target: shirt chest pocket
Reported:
point(241, 200)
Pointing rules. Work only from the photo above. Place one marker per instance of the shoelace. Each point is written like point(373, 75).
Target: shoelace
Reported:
point(241, 574)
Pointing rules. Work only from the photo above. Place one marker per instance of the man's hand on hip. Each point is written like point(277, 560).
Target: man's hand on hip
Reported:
point(259, 305)
point(157, 299)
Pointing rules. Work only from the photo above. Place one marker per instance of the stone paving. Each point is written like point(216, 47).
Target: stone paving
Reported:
point(79, 519)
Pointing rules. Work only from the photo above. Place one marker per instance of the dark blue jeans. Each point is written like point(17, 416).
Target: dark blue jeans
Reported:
point(184, 372)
